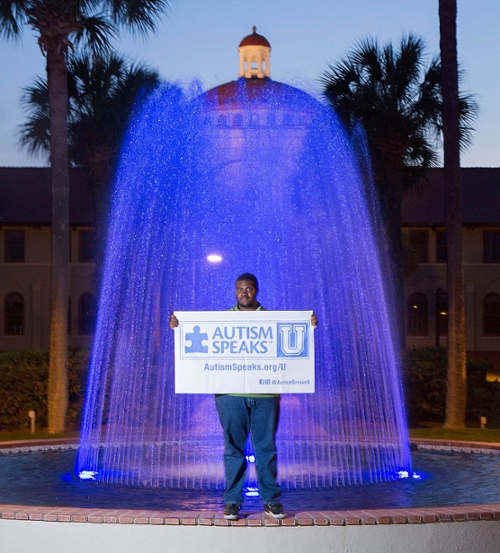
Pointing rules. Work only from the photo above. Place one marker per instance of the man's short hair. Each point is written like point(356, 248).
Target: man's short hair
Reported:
point(251, 278)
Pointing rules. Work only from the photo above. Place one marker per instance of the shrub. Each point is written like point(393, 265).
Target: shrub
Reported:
point(23, 386)
point(425, 377)
point(425, 387)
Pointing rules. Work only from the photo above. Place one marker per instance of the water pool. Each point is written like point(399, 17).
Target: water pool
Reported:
point(447, 478)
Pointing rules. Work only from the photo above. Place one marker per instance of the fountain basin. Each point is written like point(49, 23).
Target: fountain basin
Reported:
point(383, 529)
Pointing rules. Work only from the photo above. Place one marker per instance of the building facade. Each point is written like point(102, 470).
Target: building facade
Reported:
point(25, 254)
point(25, 218)
point(425, 237)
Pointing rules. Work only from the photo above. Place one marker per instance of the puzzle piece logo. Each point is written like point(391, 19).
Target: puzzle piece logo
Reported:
point(196, 338)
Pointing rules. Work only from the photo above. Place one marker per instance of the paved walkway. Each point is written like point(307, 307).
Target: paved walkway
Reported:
point(211, 518)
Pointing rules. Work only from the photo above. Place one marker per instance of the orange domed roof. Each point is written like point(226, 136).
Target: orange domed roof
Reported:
point(255, 40)
point(256, 91)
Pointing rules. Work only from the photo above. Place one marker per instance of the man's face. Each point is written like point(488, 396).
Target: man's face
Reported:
point(245, 295)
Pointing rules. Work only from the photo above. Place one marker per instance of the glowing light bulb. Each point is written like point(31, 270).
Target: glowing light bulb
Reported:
point(214, 258)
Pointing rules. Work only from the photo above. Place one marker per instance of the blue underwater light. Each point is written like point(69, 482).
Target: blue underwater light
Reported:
point(405, 475)
point(87, 475)
point(251, 491)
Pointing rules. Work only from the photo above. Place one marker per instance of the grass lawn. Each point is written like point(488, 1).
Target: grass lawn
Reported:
point(7, 435)
point(469, 434)
point(435, 432)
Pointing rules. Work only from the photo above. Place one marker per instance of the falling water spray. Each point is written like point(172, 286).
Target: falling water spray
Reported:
point(262, 175)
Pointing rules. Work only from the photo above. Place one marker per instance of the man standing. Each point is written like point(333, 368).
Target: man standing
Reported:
point(254, 414)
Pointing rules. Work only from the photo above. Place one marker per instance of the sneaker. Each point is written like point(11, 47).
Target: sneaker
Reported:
point(232, 511)
point(276, 510)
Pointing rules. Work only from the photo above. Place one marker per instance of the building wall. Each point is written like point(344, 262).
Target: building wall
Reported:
point(31, 278)
point(481, 279)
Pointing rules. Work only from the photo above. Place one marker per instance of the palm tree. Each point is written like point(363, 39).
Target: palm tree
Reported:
point(59, 26)
point(456, 389)
point(396, 96)
point(103, 91)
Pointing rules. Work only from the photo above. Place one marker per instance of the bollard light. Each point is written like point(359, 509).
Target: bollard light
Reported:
point(482, 422)
point(32, 416)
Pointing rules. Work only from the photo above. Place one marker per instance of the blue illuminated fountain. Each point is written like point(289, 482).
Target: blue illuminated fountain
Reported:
point(263, 175)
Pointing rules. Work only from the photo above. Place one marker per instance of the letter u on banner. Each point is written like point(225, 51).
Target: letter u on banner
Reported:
point(292, 340)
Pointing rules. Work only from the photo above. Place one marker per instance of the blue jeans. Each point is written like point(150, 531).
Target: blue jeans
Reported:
point(240, 416)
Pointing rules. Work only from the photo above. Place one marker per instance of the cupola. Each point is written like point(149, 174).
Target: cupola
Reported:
point(255, 56)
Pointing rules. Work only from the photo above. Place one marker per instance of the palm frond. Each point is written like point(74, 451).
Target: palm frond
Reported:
point(13, 17)
point(138, 15)
point(395, 92)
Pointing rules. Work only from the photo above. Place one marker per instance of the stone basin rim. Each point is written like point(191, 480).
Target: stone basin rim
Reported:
point(410, 515)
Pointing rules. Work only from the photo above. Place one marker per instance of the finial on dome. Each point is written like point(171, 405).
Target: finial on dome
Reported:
point(254, 29)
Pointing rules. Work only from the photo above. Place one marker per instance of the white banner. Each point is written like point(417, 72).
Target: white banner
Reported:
point(254, 352)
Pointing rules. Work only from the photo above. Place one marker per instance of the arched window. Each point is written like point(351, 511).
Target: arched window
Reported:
point(491, 315)
point(87, 245)
point(238, 120)
point(271, 119)
point(14, 314)
point(87, 308)
point(254, 120)
point(417, 315)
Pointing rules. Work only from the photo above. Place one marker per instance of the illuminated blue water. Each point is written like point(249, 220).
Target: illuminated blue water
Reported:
point(448, 479)
point(266, 178)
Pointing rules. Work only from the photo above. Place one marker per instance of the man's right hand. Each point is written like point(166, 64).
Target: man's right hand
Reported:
point(173, 322)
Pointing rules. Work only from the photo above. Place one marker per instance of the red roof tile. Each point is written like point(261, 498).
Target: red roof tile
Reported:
point(255, 40)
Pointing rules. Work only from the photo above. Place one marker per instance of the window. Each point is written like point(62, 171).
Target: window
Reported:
point(87, 246)
point(491, 315)
point(254, 120)
point(14, 246)
point(221, 121)
point(14, 315)
point(442, 313)
point(238, 120)
point(491, 246)
point(271, 119)
point(417, 315)
point(86, 313)
point(441, 247)
point(419, 242)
